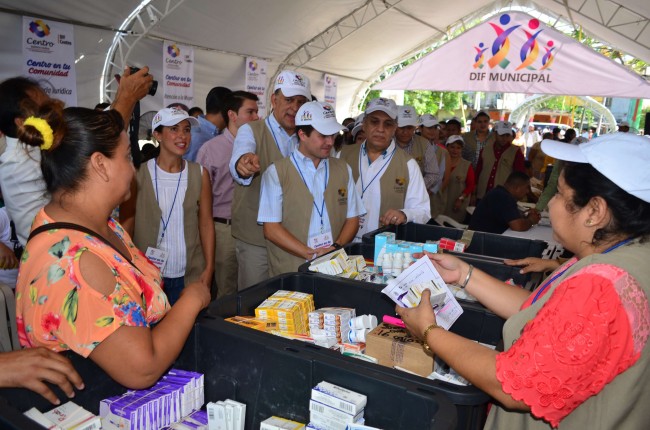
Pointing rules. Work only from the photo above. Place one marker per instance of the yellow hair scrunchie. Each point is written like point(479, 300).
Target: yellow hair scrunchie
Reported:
point(44, 128)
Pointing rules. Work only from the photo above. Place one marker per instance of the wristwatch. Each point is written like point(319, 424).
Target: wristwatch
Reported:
point(337, 246)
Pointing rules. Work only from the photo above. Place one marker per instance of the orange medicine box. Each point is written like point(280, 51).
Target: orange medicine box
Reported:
point(394, 346)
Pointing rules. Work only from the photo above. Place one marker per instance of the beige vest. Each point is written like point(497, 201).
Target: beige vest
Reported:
point(393, 183)
point(148, 213)
point(624, 403)
point(457, 184)
point(504, 168)
point(471, 143)
point(419, 146)
point(297, 207)
point(246, 199)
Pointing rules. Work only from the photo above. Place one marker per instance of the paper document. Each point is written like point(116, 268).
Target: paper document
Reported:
point(422, 271)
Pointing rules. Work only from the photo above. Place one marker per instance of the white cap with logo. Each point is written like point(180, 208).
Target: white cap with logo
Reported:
point(319, 115)
point(623, 158)
point(503, 127)
point(382, 104)
point(428, 120)
point(172, 116)
point(293, 84)
point(406, 116)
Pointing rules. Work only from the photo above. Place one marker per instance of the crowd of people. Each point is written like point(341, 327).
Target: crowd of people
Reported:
point(119, 261)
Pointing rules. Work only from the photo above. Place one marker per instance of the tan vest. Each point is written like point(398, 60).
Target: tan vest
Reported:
point(623, 404)
point(471, 143)
point(504, 168)
point(297, 207)
point(457, 184)
point(246, 199)
point(393, 183)
point(419, 146)
point(148, 213)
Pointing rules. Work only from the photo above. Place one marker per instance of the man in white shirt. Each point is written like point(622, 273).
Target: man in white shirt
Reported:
point(389, 181)
point(257, 145)
point(308, 204)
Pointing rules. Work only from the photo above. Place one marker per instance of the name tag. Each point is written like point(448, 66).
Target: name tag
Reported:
point(321, 240)
point(157, 257)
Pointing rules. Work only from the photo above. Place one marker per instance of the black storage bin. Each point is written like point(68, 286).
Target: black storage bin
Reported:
point(490, 266)
point(475, 323)
point(274, 377)
point(488, 244)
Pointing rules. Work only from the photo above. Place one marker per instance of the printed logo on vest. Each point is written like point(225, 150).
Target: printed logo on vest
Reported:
point(400, 185)
point(343, 196)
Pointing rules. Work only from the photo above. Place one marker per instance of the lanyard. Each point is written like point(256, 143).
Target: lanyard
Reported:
point(322, 206)
point(557, 275)
point(364, 188)
point(166, 224)
point(275, 138)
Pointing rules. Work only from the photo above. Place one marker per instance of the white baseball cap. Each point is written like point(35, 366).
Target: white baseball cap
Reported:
point(358, 125)
point(455, 138)
point(503, 127)
point(293, 84)
point(319, 115)
point(388, 106)
point(407, 116)
point(172, 116)
point(428, 120)
point(623, 158)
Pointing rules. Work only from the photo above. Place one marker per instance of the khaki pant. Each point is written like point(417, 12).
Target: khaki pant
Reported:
point(225, 261)
point(253, 264)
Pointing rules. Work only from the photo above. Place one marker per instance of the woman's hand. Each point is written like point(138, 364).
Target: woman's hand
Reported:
point(534, 264)
point(31, 368)
point(419, 318)
point(452, 269)
point(199, 292)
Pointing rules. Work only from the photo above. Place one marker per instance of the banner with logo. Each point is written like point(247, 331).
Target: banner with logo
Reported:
point(48, 57)
point(256, 81)
point(178, 73)
point(331, 83)
point(516, 53)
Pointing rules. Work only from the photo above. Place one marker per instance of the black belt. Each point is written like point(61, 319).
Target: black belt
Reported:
point(222, 220)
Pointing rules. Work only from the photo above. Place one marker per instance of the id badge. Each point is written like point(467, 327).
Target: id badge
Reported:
point(322, 240)
point(157, 256)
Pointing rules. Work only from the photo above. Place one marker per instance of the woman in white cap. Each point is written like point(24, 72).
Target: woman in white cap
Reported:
point(576, 349)
point(461, 183)
point(176, 192)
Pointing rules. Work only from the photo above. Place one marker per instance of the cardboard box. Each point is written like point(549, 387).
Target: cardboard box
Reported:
point(395, 347)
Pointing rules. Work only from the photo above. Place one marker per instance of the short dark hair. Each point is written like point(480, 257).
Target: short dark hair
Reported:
point(195, 110)
point(517, 178)
point(453, 121)
point(630, 214)
point(215, 102)
point(78, 134)
point(482, 113)
point(13, 92)
point(235, 101)
point(307, 129)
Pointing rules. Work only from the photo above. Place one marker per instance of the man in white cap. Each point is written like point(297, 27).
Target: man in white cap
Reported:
point(389, 181)
point(405, 137)
point(257, 145)
point(437, 165)
point(498, 159)
point(624, 127)
point(308, 204)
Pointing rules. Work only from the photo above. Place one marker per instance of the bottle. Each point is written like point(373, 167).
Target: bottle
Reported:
point(398, 262)
point(387, 265)
point(378, 264)
point(407, 261)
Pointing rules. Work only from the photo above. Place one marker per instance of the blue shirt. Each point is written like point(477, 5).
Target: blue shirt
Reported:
point(200, 134)
point(245, 143)
point(314, 177)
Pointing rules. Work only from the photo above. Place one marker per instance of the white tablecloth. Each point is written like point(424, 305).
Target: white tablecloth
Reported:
point(540, 232)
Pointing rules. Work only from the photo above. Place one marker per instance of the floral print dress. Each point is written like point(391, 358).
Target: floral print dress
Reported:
point(57, 309)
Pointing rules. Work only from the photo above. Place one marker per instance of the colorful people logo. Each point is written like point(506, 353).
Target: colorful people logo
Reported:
point(252, 65)
point(528, 53)
point(173, 51)
point(39, 28)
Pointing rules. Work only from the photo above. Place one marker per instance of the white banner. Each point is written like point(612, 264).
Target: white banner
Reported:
point(516, 53)
point(256, 81)
point(48, 57)
point(178, 73)
point(331, 83)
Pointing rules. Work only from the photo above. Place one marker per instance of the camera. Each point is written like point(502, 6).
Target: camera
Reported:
point(154, 84)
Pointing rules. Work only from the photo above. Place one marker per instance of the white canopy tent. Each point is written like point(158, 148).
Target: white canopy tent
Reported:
point(355, 40)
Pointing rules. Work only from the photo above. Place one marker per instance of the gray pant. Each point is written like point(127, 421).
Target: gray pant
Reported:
point(253, 264)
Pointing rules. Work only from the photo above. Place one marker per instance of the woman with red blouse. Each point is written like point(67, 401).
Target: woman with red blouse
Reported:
point(576, 349)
